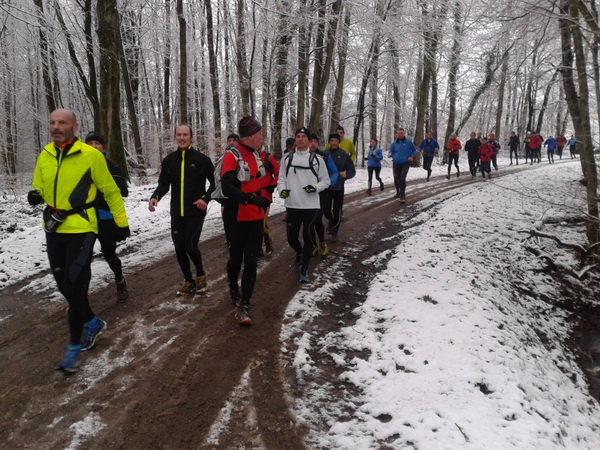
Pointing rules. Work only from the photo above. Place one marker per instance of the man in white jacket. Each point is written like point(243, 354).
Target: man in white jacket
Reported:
point(302, 175)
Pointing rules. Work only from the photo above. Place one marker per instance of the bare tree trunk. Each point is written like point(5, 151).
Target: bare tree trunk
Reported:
point(338, 96)
point(431, 40)
point(395, 80)
point(45, 54)
point(540, 121)
point(304, 35)
point(228, 80)
point(90, 89)
point(241, 64)
point(374, 107)
point(109, 38)
point(166, 98)
point(453, 71)
point(501, 90)
point(183, 65)
point(265, 111)
point(591, 18)
point(135, 127)
point(577, 102)
point(320, 86)
point(281, 81)
point(214, 70)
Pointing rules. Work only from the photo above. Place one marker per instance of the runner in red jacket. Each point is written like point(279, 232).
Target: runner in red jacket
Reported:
point(486, 151)
point(453, 148)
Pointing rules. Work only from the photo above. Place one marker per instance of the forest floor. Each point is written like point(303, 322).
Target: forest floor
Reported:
point(219, 379)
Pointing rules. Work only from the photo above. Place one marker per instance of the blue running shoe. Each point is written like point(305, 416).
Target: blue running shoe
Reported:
point(91, 330)
point(303, 276)
point(70, 362)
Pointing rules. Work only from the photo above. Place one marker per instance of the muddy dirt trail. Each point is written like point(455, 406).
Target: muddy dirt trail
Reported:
point(180, 373)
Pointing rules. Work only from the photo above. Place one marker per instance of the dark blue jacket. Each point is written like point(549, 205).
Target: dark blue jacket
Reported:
point(342, 162)
point(429, 147)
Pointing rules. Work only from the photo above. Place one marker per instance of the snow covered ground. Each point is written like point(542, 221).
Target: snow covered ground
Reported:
point(454, 357)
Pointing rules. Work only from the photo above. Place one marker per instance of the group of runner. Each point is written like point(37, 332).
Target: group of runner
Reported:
point(482, 152)
point(83, 191)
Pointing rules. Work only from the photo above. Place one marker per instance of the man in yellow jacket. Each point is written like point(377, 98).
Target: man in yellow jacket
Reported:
point(67, 176)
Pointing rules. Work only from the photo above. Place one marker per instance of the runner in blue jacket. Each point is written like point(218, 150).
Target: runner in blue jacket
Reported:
point(373, 159)
point(402, 151)
point(428, 148)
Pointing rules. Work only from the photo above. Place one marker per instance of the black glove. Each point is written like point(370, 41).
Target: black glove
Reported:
point(284, 193)
point(310, 188)
point(122, 233)
point(34, 197)
point(259, 201)
point(270, 189)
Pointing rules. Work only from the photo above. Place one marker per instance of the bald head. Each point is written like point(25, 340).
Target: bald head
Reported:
point(63, 126)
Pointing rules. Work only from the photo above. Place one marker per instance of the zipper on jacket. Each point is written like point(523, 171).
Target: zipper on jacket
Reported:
point(59, 163)
point(182, 178)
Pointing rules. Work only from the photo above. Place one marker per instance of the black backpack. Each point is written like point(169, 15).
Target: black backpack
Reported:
point(311, 163)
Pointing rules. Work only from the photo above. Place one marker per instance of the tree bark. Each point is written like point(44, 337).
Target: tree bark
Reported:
point(109, 38)
point(320, 85)
point(338, 96)
point(166, 96)
point(281, 81)
point(241, 63)
point(214, 70)
point(577, 102)
point(49, 89)
point(453, 71)
point(540, 121)
point(501, 90)
point(183, 64)
point(304, 36)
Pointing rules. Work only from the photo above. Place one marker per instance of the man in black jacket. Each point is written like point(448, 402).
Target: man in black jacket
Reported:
point(334, 202)
point(472, 147)
point(513, 144)
point(106, 223)
point(186, 171)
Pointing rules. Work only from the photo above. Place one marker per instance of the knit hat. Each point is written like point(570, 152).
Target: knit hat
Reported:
point(233, 136)
point(248, 126)
point(93, 136)
point(313, 137)
point(289, 142)
point(334, 136)
point(340, 128)
point(303, 130)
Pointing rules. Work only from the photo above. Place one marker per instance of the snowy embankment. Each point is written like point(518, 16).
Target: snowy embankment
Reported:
point(459, 345)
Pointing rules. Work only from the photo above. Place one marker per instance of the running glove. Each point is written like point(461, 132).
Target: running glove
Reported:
point(284, 193)
point(270, 189)
point(122, 233)
point(34, 197)
point(310, 188)
point(259, 201)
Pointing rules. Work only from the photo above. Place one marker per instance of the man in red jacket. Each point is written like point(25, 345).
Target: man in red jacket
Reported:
point(453, 148)
point(486, 151)
point(243, 213)
point(535, 144)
